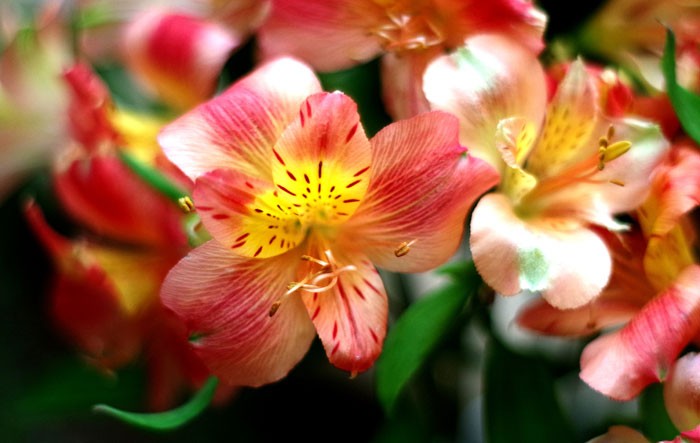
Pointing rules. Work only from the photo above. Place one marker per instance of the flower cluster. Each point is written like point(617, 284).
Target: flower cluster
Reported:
point(226, 207)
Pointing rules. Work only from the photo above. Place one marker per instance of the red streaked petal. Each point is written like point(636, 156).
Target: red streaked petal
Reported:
point(177, 55)
point(351, 318)
point(225, 300)
point(568, 263)
point(246, 214)
point(322, 161)
point(239, 128)
point(330, 35)
point(621, 364)
point(102, 193)
point(421, 188)
point(491, 78)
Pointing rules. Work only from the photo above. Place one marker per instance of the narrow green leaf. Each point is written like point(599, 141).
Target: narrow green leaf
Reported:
point(416, 334)
point(686, 104)
point(153, 177)
point(166, 420)
point(655, 422)
point(519, 399)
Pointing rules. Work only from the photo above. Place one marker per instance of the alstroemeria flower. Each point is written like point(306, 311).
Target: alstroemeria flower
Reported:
point(104, 296)
point(632, 33)
point(565, 166)
point(32, 97)
point(300, 204)
point(338, 34)
point(655, 286)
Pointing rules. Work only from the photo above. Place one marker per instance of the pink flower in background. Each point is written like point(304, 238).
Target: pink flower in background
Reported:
point(300, 204)
point(565, 167)
point(338, 34)
point(33, 99)
point(655, 289)
point(180, 56)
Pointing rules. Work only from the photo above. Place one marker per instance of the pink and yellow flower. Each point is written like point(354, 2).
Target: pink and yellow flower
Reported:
point(300, 204)
point(654, 290)
point(566, 167)
point(104, 294)
point(338, 34)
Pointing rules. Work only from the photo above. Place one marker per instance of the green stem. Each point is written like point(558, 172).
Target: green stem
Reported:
point(153, 177)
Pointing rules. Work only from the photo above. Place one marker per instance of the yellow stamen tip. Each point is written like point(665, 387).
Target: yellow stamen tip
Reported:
point(186, 204)
point(616, 150)
point(404, 248)
point(617, 182)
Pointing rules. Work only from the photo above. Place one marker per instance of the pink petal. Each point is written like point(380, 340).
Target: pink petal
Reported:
point(239, 128)
point(490, 79)
point(225, 300)
point(330, 35)
point(545, 319)
point(516, 20)
point(351, 318)
point(243, 214)
point(682, 392)
point(179, 56)
point(568, 263)
point(402, 83)
point(421, 188)
point(621, 364)
point(675, 189)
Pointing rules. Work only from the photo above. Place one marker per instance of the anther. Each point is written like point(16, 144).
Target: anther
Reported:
point(186, 204)
point(404, 248)
point(617, 182)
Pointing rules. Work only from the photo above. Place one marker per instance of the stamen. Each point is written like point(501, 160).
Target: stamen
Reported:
point(186, 204)
point(313, 283)
point(617, 182)
point(404, 248)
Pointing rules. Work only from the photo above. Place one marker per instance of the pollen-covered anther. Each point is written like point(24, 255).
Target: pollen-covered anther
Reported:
point(186, 204)
point(617, 182)
point(404, 248)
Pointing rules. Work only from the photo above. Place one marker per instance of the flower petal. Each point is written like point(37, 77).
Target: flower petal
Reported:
point(178, 55)
point(421, 188)
point(489, 79)
point(351, 317)
point(568, 263)
point(239, 128)
point(567, 131)
point(620, 434)
point(224, 300)
point(402, 83)
point(682, 390)
point(322, 161)
point(101, 192)
point(545, 319)
point(246, 214)
point(330, 35)
point(621, 364)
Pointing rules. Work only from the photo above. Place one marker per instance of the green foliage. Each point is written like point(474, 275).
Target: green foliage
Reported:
point(519, 399)
point(163, 421)
point(419, 331)
point(156, 179)
point(655, 422)
point(686, 104)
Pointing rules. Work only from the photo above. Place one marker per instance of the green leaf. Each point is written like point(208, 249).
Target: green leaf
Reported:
point(172, 419)
point(416, 334)
point(655, 422)
point(153, 177)
point(686, 104)
point(519, 399)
